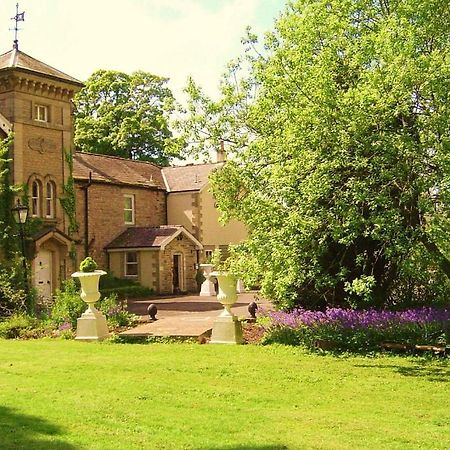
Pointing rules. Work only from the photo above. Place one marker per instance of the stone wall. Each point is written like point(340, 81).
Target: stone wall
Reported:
point(186, 248)
point(106, 214)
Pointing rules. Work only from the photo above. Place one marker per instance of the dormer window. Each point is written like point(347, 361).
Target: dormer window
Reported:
point(41, 113)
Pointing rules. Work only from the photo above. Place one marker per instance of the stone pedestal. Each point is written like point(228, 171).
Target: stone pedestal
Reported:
point(207, 288)
point(227, 330)
point(240, 288)
point(91, 326)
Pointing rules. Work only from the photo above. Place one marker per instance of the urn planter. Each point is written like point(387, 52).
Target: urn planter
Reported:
point(227, 328)
point(91, 326)
point(207, 288)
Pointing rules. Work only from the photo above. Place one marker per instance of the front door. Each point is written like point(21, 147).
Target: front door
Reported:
point(43, 273)
point(177, 273)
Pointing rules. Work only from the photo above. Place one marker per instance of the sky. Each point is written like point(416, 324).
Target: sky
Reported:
point(170, 38)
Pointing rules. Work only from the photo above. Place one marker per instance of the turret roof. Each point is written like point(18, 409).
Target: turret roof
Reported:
point(15, 59)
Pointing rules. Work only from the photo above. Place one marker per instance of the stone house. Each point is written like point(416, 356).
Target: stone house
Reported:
point(139, 221)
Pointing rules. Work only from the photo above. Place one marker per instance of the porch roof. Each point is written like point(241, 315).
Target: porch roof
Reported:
point(150, 237)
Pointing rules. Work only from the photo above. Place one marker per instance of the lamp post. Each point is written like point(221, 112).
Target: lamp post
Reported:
point(20, 213)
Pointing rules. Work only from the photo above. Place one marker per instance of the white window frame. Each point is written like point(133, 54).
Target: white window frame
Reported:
point(132, 209)
point(131, 263)
point(49, 200)
point(36, 199)
point(41, 113)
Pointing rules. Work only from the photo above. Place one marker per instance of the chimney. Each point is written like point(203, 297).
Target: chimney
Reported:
point(220, 154)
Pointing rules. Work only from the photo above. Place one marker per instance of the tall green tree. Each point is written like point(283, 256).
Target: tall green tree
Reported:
point(124, 115)
point(339, 130)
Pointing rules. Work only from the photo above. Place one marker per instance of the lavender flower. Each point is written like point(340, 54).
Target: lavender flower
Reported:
point(351, 319)
point(65, 326)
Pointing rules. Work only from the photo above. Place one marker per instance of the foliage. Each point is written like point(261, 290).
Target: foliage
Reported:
point(130, 291)
point(223, 262)
point(199, 278)
point(358, 330)
point(123, 287)
point(339, 141)
point(88, 265)
point(217, 260)
point(116, 312)
point(16, 325)
point(68, 201)
point(124, 115)
point(109, 281)
point(287, 399)
point(68, 304)
point(15, 294)
point(23, 326)
point(8, 244)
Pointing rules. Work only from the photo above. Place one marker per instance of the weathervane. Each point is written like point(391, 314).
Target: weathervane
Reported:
point(19, 17)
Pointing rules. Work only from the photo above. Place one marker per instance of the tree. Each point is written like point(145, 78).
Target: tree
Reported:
point(339, 131)
point(124, 115)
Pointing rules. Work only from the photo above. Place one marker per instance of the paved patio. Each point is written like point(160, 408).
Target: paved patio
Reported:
point(185, 316)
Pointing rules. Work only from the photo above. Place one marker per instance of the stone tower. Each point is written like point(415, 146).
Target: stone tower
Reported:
point(35, 103)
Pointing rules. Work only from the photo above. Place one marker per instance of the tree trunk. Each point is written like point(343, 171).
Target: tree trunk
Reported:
point(444, 263)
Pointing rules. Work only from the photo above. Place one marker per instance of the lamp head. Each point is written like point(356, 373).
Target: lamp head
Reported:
point(20, 212)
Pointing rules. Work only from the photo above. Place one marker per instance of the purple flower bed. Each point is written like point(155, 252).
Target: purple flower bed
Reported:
point(348, 318)
point(353, 330)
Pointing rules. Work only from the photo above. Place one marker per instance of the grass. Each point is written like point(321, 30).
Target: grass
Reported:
point(71, 395)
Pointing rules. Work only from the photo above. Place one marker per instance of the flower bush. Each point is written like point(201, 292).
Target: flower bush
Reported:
point(348, 329)
point(116, 312)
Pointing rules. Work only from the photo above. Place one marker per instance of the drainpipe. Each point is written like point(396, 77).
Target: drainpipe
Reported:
point(86, 215)
point(166, 196)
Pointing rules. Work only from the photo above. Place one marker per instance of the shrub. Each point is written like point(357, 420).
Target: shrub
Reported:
point(116, 312)
point(131, 291)
point(88, 265)
point(68, 304)
point(358, 330)
point(124, 288)
point(14, 298)
point(17, 326)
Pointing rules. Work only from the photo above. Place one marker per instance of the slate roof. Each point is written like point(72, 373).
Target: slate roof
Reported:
point(15, 59)
point(115, 170)
point(187, 178)
point(147, 237)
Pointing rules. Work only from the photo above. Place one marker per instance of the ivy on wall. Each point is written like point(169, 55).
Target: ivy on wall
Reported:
point(8, 242)
point(68, 201)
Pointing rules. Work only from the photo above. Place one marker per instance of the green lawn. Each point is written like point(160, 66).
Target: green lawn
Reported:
point(72, 395)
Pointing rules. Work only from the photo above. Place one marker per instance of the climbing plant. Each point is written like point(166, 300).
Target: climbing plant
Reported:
point(15, 293)
point(68, 201)
point(8, 243)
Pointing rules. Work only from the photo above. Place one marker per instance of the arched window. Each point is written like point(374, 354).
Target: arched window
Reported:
point(50, 200)
point(36, 198)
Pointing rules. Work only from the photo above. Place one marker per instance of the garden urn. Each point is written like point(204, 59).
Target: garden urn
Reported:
point(227, 328)
point(207, 288)
point(91, 326)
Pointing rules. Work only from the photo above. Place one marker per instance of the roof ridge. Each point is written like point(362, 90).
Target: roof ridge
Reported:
point(120, 158)
point(13, 60)
point(192, 165)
